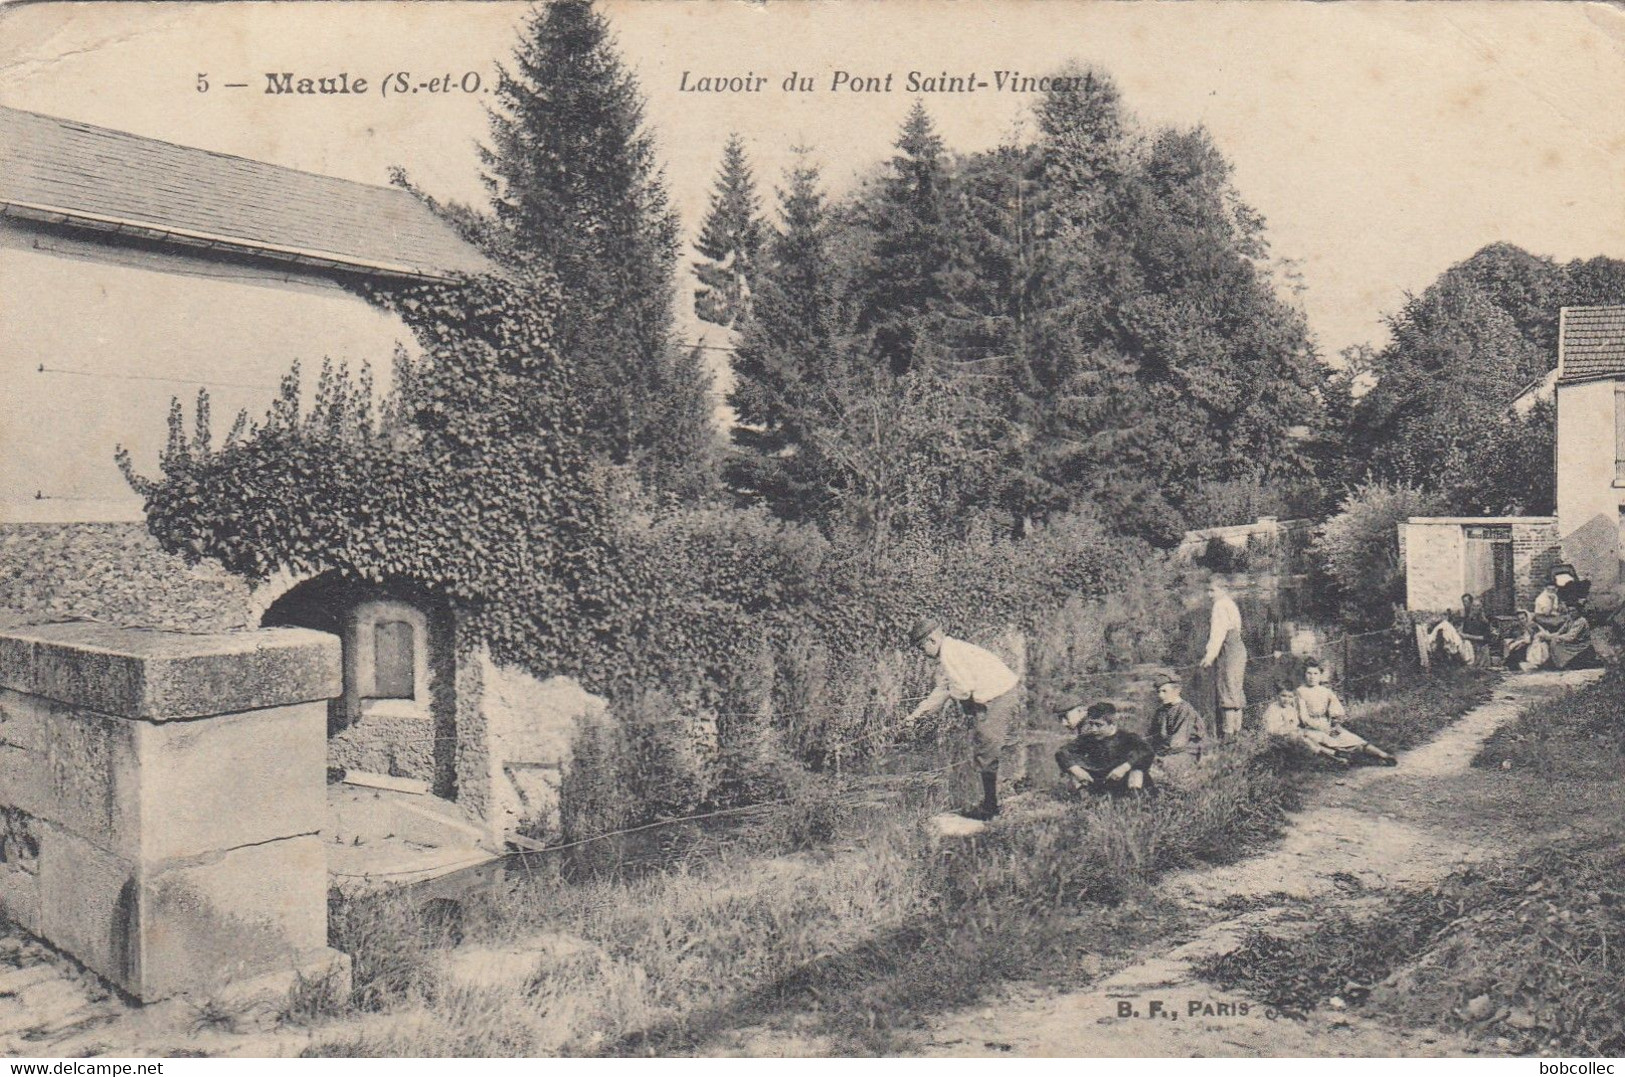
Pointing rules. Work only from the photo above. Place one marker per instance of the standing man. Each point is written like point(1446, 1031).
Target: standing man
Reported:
point(986, 691)
point(1228, 653)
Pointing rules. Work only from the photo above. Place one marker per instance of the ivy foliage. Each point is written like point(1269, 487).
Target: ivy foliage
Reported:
point(470, 480)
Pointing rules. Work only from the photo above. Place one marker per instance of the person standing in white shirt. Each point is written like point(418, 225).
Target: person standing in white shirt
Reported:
point(985, 689)
point(1226, 649)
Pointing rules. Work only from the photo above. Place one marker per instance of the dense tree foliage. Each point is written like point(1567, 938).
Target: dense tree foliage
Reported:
point(1437, 416)
point(1082, 320)
point(898, 283)
point(575, 187)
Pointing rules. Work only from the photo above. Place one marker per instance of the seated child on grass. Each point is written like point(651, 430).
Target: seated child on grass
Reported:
point(1283, 723)
point(1178, 733)
point(1102, 758)
point(1321, 713)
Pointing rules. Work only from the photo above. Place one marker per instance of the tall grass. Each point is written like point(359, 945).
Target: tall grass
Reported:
point(878, 920)
point(893, 917)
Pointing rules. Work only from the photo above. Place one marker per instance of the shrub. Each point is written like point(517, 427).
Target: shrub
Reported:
point(1358, 549)
point(1220, 556)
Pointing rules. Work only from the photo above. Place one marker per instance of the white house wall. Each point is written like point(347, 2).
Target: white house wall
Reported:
point(1433, 565)
point(118, 318)
point(1588, 502)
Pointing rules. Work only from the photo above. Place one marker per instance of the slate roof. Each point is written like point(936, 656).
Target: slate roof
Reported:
point(74, 174)
point(1592, 344)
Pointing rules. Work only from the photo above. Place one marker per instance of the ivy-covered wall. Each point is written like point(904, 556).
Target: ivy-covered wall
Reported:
point(113, 572)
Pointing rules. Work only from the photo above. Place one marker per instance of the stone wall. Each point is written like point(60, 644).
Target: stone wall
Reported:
point(1536, 550)
point(529, 726)
point(108, 311)
point(1284, 541)
point(1433, 554)
point(161, 802)
point(514, 733)
point(115, 573)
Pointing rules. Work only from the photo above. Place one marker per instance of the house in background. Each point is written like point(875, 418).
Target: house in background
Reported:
point(1591, 440)
point(1505, 561)
point(135, 271)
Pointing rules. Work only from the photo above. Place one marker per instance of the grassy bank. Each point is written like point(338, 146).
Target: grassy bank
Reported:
point(1578, 738)
point(843, 948)
point(1525, 951)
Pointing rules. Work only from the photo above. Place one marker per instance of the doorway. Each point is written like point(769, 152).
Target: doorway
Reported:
point(1487, 567)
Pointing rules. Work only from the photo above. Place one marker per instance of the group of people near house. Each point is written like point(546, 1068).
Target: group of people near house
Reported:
point(1554, 634)
point(1103, 757)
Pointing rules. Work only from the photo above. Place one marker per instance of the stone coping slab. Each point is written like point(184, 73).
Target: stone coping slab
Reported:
point(157, 676)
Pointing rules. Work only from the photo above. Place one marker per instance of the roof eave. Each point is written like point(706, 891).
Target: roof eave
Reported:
point(1586, 379)
point(192, 239)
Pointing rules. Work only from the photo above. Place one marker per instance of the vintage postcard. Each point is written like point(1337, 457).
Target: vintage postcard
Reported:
point(1008, 529)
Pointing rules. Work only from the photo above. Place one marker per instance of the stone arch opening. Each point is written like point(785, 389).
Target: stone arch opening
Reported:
point(397, 713)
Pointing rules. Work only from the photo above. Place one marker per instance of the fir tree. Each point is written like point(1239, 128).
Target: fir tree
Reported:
point(786, 353)
point(901, 284)
point(730, 241)
point(574, 185)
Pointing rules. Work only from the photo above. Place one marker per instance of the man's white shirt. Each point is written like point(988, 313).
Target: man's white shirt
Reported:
point(970, 672)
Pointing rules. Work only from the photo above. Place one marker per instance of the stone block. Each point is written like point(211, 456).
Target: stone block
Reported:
point(76, 768)
point(22, 779)
point(89, 905)
point(160, 676)
point(232, 780)
point(387, 740)
point(167, 793)
point(19, 897)
point(209, 921)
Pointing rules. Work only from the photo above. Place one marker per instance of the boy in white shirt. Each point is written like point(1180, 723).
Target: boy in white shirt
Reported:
point(985, 689)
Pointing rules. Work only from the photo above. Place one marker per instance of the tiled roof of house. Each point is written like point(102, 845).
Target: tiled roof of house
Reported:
point(1592, 343)
point(66, 172)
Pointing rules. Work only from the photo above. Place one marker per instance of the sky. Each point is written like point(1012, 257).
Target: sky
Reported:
point(1381, 141)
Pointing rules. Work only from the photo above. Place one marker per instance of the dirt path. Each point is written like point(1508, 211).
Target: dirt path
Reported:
point(1374, 829)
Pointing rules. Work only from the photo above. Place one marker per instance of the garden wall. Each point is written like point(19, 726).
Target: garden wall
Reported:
point(1433, 551)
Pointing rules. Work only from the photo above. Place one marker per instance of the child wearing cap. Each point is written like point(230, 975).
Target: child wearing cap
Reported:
point(1102, 758)
point(1177, 730)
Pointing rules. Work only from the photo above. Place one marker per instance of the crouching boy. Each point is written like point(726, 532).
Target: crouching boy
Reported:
point(1102, 758)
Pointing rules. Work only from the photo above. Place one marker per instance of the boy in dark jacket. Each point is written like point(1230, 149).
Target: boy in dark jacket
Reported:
point(1102, 758)
point(1178, 732)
